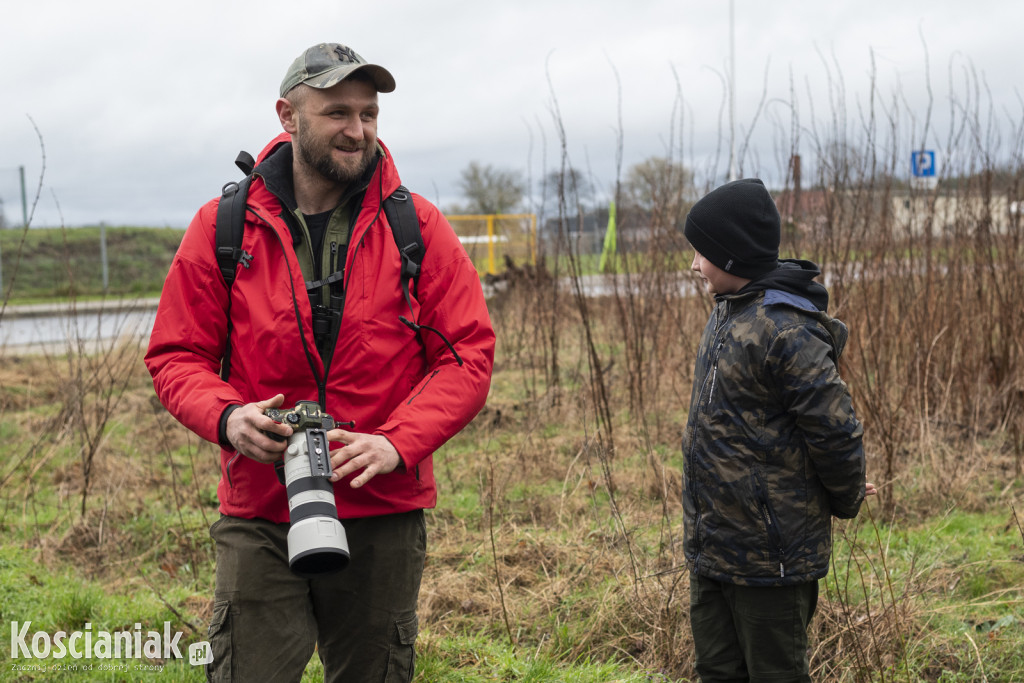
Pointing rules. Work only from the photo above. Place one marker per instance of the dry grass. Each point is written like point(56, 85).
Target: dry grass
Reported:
point(559, 523)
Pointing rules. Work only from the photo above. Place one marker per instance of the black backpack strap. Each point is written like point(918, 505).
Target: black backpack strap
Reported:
point(405, 226)
point(229, 228)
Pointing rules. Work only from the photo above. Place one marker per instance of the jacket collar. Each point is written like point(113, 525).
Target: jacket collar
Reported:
point(278, 191)
point(276, 171)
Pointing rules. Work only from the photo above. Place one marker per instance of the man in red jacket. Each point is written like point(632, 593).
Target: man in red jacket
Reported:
point(317, 313)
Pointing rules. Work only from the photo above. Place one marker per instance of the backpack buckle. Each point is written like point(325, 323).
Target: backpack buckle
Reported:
point(409, 266)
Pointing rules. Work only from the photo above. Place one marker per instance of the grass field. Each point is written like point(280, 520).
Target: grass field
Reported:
point(554, 552)
point(48, 264)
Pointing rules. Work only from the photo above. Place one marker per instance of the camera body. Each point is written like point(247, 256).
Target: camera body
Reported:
point(317, 543)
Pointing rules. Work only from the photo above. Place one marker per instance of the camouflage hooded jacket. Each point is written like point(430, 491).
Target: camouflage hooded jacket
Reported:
point(772, 448)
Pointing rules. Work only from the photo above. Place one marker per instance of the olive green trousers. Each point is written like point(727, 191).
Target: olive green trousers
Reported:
point(751, 635)
point(361, 620)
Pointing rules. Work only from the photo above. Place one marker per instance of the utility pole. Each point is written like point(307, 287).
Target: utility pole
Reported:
point(24, 221)
point(732, 91)
point(24, 203)
point(103, 255)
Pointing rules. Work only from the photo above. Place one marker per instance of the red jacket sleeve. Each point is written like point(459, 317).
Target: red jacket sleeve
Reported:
point(189, 333)
point(451, 301)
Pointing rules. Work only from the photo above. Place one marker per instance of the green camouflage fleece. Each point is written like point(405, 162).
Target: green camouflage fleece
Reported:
point(772, 446)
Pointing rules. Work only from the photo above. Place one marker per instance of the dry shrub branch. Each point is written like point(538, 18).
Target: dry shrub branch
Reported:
point(927, 277)
point(560, 520)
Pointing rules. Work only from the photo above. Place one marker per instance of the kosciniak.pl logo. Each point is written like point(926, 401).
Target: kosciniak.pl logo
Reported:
point(89, 644)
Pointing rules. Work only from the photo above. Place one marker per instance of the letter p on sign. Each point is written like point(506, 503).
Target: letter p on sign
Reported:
point(923, 164)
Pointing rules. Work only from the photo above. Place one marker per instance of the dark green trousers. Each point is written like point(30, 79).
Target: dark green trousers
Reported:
point(746, 634)
point(362, 619)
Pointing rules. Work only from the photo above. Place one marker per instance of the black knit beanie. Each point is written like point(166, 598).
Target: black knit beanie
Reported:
point(736, 227)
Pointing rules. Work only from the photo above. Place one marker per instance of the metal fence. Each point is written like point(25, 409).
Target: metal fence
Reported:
point(493, 239)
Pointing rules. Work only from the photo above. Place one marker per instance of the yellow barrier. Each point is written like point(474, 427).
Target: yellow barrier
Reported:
point(511, 235)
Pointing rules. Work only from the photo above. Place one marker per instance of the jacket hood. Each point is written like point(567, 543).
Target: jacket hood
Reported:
point(794, 276)
point(274, 144)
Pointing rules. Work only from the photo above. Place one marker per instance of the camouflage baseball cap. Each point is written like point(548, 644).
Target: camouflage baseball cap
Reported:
point(327, 64)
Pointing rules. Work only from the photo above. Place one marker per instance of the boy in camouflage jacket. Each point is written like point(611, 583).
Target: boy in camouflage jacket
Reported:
point(772, 447)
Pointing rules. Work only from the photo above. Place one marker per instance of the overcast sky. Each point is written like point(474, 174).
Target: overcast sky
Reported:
point(143, 106)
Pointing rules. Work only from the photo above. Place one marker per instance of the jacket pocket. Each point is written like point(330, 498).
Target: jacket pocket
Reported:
point(714, 373)
point(770, 521)
point(227, 469)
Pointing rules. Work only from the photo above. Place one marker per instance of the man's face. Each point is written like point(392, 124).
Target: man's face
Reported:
point(336, 130)
point(716, 280)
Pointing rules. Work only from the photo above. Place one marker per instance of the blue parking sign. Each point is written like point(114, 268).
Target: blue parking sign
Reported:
point(923, 164)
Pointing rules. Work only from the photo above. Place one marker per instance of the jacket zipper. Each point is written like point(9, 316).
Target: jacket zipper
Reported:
point(716, 354)
point(697, 540)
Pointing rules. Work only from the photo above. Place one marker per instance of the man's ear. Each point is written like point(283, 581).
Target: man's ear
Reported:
point(288, 115)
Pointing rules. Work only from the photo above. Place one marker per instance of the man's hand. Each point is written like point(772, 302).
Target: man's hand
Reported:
point(246, 426)
point(370, 451)
point(870, 489)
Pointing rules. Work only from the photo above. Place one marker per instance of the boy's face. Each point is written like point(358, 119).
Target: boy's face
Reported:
point(716, 280)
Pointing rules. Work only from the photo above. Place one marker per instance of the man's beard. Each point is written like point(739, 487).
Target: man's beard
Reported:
point(318, 157)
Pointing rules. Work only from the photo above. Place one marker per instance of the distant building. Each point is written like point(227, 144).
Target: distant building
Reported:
point(811, 214)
